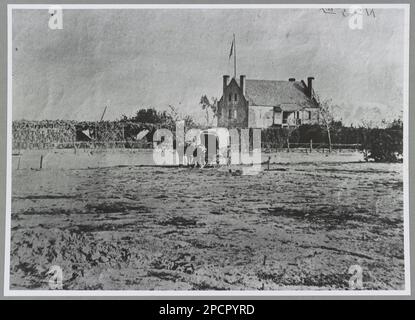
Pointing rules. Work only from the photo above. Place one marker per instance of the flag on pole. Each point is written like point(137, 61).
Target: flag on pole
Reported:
point(231, 52)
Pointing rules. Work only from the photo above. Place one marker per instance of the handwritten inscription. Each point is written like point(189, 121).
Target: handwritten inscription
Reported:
point(347, 12)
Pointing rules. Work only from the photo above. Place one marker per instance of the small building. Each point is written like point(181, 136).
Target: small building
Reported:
point(267, 103)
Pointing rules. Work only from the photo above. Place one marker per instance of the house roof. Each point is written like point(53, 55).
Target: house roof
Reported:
point(277, 93)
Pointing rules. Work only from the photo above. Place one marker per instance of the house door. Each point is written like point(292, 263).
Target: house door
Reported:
point(285, 116)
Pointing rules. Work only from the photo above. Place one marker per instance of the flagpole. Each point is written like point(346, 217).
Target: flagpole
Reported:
point(234, 57)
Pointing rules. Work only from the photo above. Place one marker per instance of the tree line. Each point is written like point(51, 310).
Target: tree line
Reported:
point(381, 144)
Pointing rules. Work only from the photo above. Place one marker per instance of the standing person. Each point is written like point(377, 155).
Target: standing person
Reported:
point(200, 154)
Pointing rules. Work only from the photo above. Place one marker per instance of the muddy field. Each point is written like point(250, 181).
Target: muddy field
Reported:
point(297, 226)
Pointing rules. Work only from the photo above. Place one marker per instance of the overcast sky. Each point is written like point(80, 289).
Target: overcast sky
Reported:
point(131, 59)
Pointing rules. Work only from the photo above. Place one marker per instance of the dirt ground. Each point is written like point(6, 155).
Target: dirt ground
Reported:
point(297, 226)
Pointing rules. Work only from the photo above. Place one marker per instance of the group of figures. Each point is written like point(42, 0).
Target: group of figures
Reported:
point(194, 156)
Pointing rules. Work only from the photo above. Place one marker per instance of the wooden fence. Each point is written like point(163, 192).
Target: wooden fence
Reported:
point(310, 146)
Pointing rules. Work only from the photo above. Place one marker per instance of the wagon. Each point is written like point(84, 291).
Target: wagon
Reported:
point(217, 144)
point(209, 147)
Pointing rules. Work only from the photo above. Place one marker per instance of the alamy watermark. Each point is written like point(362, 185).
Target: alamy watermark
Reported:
point(56, 18)
point(216, 146)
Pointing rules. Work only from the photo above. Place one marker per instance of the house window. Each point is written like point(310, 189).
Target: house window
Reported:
point(230, 97)
point(236, 97)
point(309, 115)
point(230, 114)
point(234, 114)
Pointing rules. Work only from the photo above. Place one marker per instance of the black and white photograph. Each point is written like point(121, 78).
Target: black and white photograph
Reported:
point(207, 149)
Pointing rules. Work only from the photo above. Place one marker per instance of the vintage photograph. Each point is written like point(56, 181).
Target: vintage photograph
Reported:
point(207, 148)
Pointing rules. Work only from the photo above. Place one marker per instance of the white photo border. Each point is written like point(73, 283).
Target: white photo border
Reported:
point(209, 293)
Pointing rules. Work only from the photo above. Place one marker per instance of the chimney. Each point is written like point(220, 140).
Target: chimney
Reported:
point(291, 79)
point(242, 83)
point(225, 83)
point(310, 86)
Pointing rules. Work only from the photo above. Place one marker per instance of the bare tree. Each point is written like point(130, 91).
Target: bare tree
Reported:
point(173, 112)
point(207, 105)
point(178, 116)
point(326, 118)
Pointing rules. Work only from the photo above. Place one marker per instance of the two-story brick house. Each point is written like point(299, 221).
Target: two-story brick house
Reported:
point(266, 103)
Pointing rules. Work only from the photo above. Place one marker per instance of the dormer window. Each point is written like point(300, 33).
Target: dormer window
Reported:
point(230, 97)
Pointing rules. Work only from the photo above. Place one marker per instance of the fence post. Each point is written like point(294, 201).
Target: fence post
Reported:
point(311, 145)
point(288, 145)
point(41, 161)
